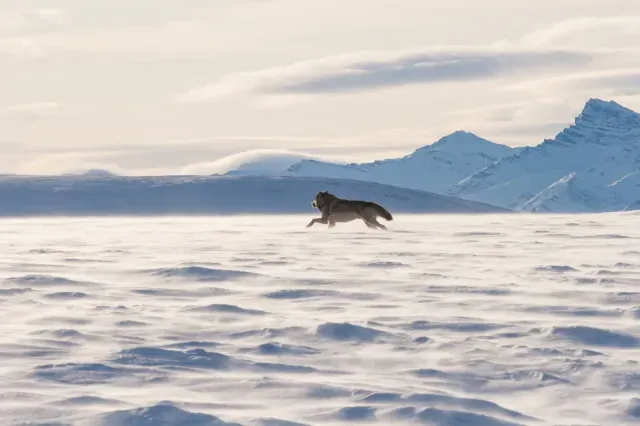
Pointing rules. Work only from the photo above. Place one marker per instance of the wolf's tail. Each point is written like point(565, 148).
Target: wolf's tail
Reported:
point(381, 211)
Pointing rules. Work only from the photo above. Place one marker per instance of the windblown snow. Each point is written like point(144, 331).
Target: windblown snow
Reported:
point(478, 320)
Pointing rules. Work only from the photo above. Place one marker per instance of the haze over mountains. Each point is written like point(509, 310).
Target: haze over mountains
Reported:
point(591, 166)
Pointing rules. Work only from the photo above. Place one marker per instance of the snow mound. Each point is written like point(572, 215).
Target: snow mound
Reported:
point(200, 273)
point(349, 332)
point(597, 337)
point(161, 415)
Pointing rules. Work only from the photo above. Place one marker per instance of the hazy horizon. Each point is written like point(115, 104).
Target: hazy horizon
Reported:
point(157, 87)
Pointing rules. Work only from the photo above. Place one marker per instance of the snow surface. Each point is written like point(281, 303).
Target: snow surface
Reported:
point(475, 320)
point(96, 194)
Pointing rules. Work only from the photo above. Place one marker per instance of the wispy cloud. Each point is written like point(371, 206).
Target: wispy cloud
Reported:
point(625, 81)
point(63, 163)
point(13, 21)
point(31, 111)
point(563, 48)
point(368, 71)
point(588, 31)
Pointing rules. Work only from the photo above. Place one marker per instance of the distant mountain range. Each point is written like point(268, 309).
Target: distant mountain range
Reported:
point(591, 166)
point(434, 168)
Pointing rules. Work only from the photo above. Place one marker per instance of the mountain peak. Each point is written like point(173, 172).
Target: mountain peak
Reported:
point(595, 102)
point(603, 123)
point(98, 173)
point(598, 109)
point(457, 139)
point(460, 135)
point(463, 142)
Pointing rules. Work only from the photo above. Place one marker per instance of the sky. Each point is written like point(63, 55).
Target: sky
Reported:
point(167, 87)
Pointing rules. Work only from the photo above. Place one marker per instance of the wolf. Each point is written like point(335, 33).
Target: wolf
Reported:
point(336, 209)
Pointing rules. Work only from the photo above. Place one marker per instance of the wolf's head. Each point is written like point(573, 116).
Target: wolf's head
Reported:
point(321, 199)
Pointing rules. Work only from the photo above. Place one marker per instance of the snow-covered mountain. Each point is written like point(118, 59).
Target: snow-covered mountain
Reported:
point(591, 166)
point(435, 167)
point(114, 195)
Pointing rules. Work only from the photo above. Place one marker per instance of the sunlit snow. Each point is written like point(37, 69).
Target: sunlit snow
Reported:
point(443, 320)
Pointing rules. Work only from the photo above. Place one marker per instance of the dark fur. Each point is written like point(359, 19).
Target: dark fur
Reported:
point(335, 209)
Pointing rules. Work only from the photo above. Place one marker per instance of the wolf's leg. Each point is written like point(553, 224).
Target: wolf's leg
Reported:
point(332, 224)
point(369, 224)
point(321, 220)
point(369, 220)
point(378, 224)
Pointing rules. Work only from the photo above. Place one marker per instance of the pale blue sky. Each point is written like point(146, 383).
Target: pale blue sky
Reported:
point(152, 86)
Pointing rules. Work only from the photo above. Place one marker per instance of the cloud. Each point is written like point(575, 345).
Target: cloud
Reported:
point(172, 39)
point(588, 32)
point(31, 111)
point(624, 82)
point(15, 21)
point(63, 163)
point(168, 157)
point(261, 161)
point(564, 47)
point(98, 64)
point(367, 71)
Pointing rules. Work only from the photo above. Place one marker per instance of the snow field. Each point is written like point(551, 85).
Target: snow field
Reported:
point(444, 320)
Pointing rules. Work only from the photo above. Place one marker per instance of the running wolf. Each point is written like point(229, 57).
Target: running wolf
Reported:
point(335, 209)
